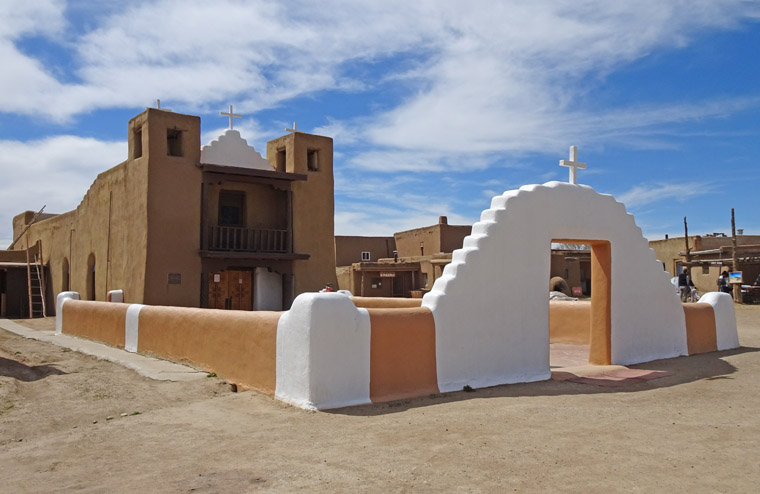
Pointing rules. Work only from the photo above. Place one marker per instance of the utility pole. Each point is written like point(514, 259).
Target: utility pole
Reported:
point(686, 239)
point(734, 260)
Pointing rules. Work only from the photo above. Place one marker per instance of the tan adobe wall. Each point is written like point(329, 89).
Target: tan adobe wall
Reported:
point(95, 321)
point(386, 302)
point(21, 220)
point(313, 207)
point(348, 249)
point(402, 354)
point(265, 207)
point(173, 208)
point(701, 336)
point(408, 242)
point(239, 345)
point(452, 237)
point(569, 322)
point(109, 223)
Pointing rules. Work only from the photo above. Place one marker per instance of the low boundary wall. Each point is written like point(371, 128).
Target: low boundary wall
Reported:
point(326, 352)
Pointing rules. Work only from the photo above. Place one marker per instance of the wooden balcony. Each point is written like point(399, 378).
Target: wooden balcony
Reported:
point(233, 239)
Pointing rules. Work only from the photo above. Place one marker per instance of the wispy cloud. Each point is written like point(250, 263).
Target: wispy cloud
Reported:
point(642, 195)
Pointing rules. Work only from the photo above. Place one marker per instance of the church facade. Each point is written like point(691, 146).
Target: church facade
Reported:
point(180, 225)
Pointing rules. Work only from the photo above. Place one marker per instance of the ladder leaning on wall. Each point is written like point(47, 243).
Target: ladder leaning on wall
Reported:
point(35, 274)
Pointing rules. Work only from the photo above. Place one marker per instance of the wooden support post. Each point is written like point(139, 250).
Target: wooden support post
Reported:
point(686, 239)
point(734, 261)
point(29, 278)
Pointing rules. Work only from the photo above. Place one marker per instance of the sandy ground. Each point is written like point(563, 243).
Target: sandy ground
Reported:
point(695, 431)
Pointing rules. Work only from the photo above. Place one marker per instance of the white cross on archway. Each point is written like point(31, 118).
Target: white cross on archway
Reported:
point(573, 164)
point(231, 115)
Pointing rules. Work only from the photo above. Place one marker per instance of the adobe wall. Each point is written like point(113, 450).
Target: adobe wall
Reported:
point(173, 208)
point(313, 207)
point(348, 249)
point(110, 223)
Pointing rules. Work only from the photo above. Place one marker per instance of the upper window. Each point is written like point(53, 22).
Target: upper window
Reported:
point(173, 142)
point(366, 256)
point(137, 143)
point(231, 208)
point(312, 160)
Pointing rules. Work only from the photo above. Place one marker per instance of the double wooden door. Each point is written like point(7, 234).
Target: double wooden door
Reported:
point(230, 290)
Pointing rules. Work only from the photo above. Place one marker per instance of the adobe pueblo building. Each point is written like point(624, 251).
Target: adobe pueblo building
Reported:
point(177, 225)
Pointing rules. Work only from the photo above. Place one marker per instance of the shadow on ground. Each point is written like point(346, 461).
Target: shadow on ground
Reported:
point(707, 366)
point(26, 373)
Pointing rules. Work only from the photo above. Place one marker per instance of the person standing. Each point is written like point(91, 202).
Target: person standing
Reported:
point(683, 284)
point(723, 284)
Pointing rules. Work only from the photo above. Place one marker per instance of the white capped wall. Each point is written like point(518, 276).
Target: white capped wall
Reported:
point(491, 307)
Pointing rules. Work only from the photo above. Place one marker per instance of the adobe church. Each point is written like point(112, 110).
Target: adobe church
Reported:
point(180, 225)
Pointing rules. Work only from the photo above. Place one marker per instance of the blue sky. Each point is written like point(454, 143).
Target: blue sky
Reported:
point(434, 107)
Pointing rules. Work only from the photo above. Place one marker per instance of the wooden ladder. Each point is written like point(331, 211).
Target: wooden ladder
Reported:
point(35, 273)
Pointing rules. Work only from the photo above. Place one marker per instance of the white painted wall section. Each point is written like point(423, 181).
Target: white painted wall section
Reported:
point(230, 149)
point(59, 301)
point(131, 327)
point(490, 305)
point(267, 290)
point(725, 319)
point(115, 296)
point(323, 352)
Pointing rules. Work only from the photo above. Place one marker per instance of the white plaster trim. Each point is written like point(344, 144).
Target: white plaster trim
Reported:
point(230, 149)
point(323, 352)
point(131, 327)
point(115, 296)
point(490, 305)
point(726, 333)
point(59, 301)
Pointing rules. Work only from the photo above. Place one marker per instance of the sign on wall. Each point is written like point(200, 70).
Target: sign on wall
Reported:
point(175, 278)
point(735, 277)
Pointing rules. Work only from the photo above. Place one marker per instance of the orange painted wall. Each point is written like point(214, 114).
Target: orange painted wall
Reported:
point(569, 322)
point(238, 345)
point(99, 321)
point(701, 336)
point(402, 354)
point(386, 302)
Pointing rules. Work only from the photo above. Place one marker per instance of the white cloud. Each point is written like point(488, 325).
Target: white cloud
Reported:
point(55, 172)
point(642, 195)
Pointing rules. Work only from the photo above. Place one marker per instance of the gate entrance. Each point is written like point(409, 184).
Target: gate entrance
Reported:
point(230, 290)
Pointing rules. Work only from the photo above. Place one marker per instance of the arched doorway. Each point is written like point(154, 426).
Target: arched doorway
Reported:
point(91, 277)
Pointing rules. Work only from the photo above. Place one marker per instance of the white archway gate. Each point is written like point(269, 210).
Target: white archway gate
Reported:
point(491, 307)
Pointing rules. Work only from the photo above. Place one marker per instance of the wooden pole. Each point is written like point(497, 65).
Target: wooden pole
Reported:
point(734, 262)
point(29, 278)
point(686, 239)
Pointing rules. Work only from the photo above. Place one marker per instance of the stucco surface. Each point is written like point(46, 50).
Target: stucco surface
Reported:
point(97, 321)
point(402, 354)
point(386, 302)
point(323, 352)
point(727, 336)
point(569, 322)
point(238, 345)
point(700, 328)
point(490, 306)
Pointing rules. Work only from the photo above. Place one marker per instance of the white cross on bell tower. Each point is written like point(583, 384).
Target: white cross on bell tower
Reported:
point(231, 115)
point(573, 164)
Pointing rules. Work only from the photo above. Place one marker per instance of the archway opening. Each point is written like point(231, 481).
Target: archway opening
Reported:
point(91, 277)
point(580, 331)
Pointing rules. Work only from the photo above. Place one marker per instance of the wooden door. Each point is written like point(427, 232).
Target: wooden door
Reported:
point(217, 290)
point(230, 290)
point(239, 290)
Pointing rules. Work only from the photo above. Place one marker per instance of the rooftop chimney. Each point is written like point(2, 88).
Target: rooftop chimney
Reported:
point(442, 220)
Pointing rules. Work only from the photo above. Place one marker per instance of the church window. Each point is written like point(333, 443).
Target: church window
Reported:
point(137, 143)
point(312, 160)
point(231, 208)
point(366, 256)
point(281, 160)
point(173, 142)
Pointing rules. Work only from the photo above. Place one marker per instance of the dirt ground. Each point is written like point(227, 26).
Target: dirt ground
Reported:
point(695, 431)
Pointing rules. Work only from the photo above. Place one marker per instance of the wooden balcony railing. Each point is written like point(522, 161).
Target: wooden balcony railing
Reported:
point(248, 240)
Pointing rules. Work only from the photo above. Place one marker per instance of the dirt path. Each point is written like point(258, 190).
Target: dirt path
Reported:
point(695, 431)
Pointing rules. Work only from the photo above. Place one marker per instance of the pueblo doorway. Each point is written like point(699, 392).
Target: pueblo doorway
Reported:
point(580, 332)
point(231, 290)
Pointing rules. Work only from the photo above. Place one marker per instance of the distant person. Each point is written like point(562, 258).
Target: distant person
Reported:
point(723, 284)
point(684, 280)
point(328, 288)
point(693, 295)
